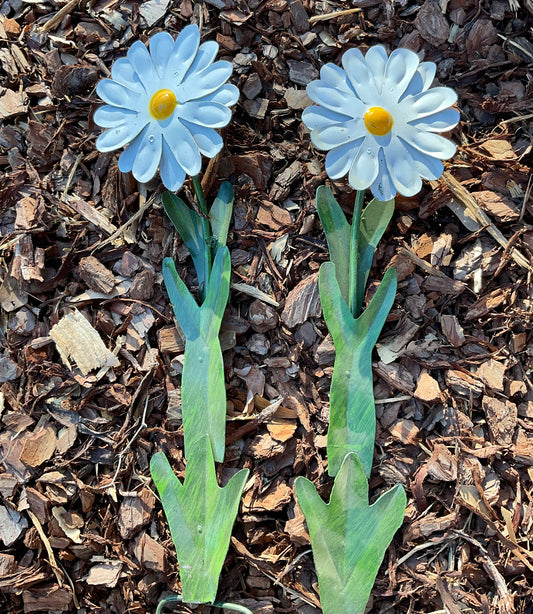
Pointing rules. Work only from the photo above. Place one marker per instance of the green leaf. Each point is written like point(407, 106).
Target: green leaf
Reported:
point(200, 515)
point(185, 307)
point(338, 232)
point(352, 416)
point(374, 221)
point(220, 214)
point(203, 392)
point(349, 537)
point(190, 228)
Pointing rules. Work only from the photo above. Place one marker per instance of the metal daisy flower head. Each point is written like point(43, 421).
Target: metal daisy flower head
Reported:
point(378, 120)
point(165, 104)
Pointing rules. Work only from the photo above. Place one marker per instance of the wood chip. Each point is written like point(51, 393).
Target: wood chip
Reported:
point(498, 206)
point(96, 275)
point(502, 419)
point(302, 303)
point(39, 446)
point(427, 388)
point(452, 330)
point(77, 340)
point(105, 574)
point(12, 524)
point(273, 499)
point(405, 431)
point(491, 374)
point(47, 599)
point(135, 512)
point(150, 553)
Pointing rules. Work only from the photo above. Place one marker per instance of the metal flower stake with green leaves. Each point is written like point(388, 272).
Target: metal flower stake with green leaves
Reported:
point(165, 104)
point(377, 118)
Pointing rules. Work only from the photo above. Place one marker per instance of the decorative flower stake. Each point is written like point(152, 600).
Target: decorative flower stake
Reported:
point(165, 105)
point(378, 120)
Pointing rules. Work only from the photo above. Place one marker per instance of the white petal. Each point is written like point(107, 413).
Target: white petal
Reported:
point(149, 154)
point(127, 157)
point(207, 52)
point(117, 137)
point(359, 75)
point(118, 95)
point(402, 169)
point(227, 95)
point(335, 77)
point(376, 59)
point(172, 175)
point(428, 143)
point(318, 118)
point(427, 71)
point(210, 114)
point(336, 135)
point(421, 80)
point(161, 45)
point(183, 54)
point(208, 141)
point(335, 100)
point(141, 61)
point(442, 121)
point(383, 188)
point(183, 147)
point(427, 167)
point(399, 71)
point(365, 166)
point(107, 116)
point(340, 159)
point(122, 72)
point(205, 82)
point(430, 102)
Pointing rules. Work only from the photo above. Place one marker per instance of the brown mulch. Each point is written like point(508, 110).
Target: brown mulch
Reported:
point(81, 247)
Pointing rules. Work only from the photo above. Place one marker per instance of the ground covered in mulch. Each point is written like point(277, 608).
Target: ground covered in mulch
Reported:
point(90, 360)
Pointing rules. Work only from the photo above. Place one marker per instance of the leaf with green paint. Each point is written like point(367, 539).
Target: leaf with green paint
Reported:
point(220, 214)
point(200, 515)
point(352, 415)
point(189, 225)
point(374, 221)
point(203, 392)
point(349, 537)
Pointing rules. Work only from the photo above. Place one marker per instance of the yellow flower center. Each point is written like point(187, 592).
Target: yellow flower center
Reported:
point(378, 121)
point(162, 104)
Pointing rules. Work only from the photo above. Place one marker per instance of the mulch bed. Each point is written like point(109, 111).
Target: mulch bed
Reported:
point(81, 245)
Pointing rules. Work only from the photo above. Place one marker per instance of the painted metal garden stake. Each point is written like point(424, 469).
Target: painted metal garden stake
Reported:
point(165, 104)
point(377, 120)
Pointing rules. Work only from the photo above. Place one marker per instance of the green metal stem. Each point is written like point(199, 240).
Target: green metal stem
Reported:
point(202, 203)
point(217, 604)
point(354, 253)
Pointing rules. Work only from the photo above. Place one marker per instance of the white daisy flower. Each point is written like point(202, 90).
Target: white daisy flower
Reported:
point(166, 103)
point(377, 120)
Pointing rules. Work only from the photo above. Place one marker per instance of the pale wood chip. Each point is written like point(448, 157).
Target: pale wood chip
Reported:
point(491, 374)
point(77, 340)
point(427, 388)
point(105, 574)
point(12, 524)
